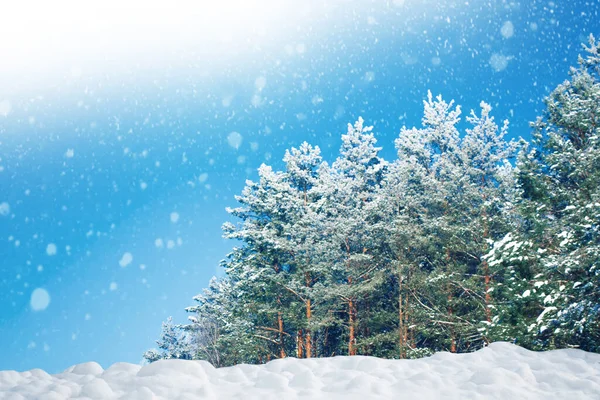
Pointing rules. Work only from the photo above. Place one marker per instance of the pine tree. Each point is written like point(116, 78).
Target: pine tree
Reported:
point(448, 247)
point(302, 175)
point(560, 179)
point(173, 343)
point(350, 189)
point(449, 197)
point(208, 327)
point(265, 215)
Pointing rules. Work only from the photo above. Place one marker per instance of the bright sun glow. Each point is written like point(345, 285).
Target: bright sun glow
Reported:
point(36, 36)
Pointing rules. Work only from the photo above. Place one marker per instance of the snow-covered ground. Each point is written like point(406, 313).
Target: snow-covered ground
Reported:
point(501, 371)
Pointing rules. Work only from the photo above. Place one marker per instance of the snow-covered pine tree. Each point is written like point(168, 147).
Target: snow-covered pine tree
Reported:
point(216, 329)
point(366, 257)
point(424, 175)
point(173, 343)
point(552, 262)
point(349, 193)
point(449, 196)
point(280, 232)
point(304, 235)
point(486, 195)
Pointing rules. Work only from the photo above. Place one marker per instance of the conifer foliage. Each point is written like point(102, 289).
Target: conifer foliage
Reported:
point(464, 239)
point(550, 262)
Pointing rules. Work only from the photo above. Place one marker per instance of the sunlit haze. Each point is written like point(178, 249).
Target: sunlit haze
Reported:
point(69, 38)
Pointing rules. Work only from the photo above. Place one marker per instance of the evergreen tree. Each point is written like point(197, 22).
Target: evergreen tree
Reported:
point(447, 248)
point(350, 191)
point(551, 263)
point(449, 195)
point(262, 266)
point(173, 343)
point(304, 236)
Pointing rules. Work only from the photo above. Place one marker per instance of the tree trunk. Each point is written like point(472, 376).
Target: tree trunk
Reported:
point(401, 336)
point(307, 303)
point(488, 296)
point(351, 333)
point(308, 346)
point(351, 336)
point(299, 343)
point(281, 344)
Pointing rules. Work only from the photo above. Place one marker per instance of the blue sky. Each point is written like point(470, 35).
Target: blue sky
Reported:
point(130, 145)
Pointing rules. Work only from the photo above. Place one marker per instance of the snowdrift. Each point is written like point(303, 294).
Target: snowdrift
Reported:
point(500, 371)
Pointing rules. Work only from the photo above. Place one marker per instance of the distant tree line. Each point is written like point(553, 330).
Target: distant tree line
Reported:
point(466, 238)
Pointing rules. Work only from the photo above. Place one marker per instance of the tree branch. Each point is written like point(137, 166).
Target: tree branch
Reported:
point(266, 328)
point(290, 290)
point(269, 339)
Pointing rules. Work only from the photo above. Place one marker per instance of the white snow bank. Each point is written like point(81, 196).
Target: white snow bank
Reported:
point(501, 371)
